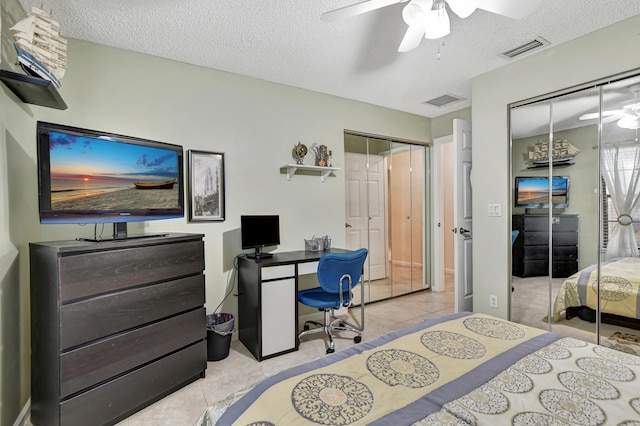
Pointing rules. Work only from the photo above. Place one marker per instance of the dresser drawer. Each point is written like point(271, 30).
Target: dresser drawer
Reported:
point(559, 223)
point(95, 318)
point(558, 253)
point(99, 272)
point(115, 400)
point(560, 269)
point(97, 362)
point(558, 238)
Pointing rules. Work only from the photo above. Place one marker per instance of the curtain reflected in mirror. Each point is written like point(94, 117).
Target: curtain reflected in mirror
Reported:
point(587, 285)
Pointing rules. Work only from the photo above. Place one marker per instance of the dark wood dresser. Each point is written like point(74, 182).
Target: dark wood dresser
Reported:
point(531, 248)
point(115, 326)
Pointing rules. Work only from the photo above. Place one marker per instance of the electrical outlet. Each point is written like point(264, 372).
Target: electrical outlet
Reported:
point(493, 301)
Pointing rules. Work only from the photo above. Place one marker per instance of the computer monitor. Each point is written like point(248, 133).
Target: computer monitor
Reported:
point(258, 231)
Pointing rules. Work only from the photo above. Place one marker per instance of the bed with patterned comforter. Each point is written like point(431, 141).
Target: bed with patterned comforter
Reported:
point(619, 289)
point(463, 369)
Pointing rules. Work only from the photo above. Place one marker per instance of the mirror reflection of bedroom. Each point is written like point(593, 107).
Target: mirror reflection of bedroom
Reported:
point(575, 178)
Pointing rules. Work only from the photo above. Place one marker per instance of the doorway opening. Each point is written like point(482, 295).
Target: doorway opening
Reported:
point(444, 218)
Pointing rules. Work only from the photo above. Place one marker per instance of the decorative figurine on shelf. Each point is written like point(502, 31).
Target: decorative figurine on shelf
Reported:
point(298, 153)
point(323, 154)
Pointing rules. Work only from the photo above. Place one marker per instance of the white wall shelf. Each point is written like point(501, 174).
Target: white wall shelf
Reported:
point(324, 170)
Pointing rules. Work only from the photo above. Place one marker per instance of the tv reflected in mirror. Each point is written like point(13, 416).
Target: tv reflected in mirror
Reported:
point(532, 192)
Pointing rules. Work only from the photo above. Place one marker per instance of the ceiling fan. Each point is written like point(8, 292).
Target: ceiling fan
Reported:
point(628, 116)
point(429, 18)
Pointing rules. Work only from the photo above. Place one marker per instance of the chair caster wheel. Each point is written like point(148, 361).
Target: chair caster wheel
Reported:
point(330, 351)
point(306, 327)
point(357, 339)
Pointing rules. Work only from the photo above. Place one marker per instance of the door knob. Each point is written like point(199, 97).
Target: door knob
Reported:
point(346, 225)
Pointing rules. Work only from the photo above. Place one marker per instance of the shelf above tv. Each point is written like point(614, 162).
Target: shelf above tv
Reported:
point(555, 164)
point(33, 90)
point(325, 171)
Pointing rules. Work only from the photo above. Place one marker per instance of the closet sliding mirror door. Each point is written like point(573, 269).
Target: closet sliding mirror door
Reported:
point(619, 300)
point(405, 165)
point(385, 201)
point(555, 208)
point(531, 284)
point(575, 228)
point(600, 300)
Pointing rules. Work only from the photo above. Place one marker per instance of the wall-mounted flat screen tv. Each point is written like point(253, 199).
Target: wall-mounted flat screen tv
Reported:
point(88, 176)
point(532, 192)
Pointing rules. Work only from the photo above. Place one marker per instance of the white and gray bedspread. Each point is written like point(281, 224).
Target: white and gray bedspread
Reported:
point(619, 289)
point(463, 369)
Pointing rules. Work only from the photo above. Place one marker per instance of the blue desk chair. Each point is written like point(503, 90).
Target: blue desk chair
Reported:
point(338, 274)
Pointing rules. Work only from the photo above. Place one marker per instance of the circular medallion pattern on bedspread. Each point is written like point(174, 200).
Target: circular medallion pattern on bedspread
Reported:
point(617, 356)
point(613, 289)
point(532, 364)
point(554, 351)
point(513, 381)
point(453, 345)
point(485, 400)
point(494, 328)
point(398, 367)
point(570, 342)
point(571, 407)
point(635, 403)
point(331, 399)
point(588, 385)
point(606, 369)
point(530, 418)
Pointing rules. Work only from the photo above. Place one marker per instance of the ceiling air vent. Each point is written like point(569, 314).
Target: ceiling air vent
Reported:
point(444, 100)
point(525, 48)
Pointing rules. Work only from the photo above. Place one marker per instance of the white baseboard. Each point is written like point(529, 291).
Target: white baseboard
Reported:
point(24, 414)
point(406, 264)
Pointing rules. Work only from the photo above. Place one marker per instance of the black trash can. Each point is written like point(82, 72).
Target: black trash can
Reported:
point(219, 332)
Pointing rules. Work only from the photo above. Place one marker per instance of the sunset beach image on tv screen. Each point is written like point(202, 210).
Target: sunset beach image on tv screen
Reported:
point(536, 190)
point(99, 174)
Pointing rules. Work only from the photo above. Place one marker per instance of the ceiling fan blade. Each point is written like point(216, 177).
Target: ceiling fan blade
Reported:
point(411, 38)
point(516, 9)
point(463, 8)
point(594, 115)
point(357, 9)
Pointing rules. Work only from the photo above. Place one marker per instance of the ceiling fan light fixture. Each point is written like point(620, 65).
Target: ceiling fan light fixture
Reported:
point(463, 8)
point(437, 23)
point(415, 13)
point(630, 121)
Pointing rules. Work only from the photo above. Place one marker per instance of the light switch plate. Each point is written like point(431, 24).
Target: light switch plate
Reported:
point(495, 210)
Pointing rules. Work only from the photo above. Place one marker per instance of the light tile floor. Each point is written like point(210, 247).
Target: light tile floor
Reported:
point(240, 369)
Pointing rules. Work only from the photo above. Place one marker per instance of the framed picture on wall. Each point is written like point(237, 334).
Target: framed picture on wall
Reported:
point(206, 186)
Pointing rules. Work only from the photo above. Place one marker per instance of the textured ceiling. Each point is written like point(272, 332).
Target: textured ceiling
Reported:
point(284, 41)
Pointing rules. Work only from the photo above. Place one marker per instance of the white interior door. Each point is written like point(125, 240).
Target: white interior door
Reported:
point(462, 215)
point(364, 192)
